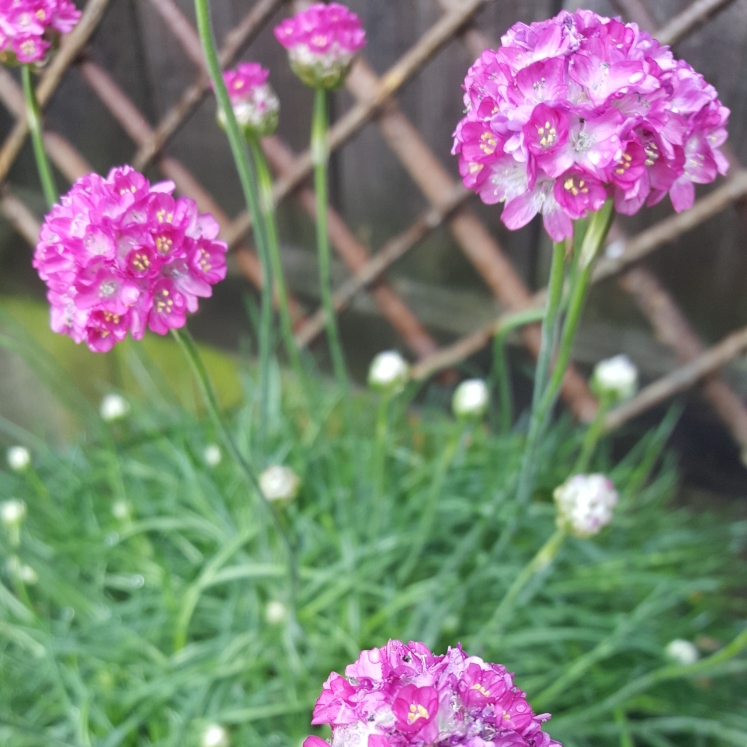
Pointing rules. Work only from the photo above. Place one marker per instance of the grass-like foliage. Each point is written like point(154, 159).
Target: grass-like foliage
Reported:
point(156, 572)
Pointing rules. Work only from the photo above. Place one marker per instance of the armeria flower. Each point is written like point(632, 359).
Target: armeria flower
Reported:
point(255, 104)
point(279, 483)
point(402, 694)
point(389, 372)
point(19, 458)
point(113, 407)
point(615, 378)
point(215, 735)
point(471, 399)
point(322, 42)
point(29, 27)
point(682, 652)
point(12, 512)
point(585, 504)
point(578, 109)
point(121, 255)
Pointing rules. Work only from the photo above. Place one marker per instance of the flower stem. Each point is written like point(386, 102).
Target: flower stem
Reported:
point(545, 555)
point(267, 206)
point(33, 116)
point(382, 431)
point(593, 434)
point(191, 352)
point(248, 180)
point(320, 157)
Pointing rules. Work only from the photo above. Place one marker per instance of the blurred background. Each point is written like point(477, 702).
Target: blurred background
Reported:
point(394, 187)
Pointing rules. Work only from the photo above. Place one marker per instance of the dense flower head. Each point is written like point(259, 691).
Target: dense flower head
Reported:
point(402, 694)
point(255, 104)
point(586, 504)
point(119, 254)
point(388, 372)
point(578, 109)
point(27, 27)
point(322, 42)
point(615, 378)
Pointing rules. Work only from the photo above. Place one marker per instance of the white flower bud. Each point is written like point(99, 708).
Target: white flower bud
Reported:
point(275, 612)
point(389, 372)
point(682, 651)
point(279, 483)
point(19, 458)
point(470, 399)
point(121, 510)
point(12, 512)
point(212, 455)
point(28, 575)
point(585, 504)
point(616, 378)
point(215, 736)
point(113, 407)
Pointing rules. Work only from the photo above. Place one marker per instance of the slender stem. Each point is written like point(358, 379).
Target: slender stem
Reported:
point(320, 156)
point(267, 206)
point(593, 434)
point(33, 116)
point(501, 372)
point(248, 180)
point(382, 431)
point(189, 348)
point(545, 555)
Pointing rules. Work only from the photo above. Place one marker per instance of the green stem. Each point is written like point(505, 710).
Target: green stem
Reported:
point(593, 434)
point(539, 562)
point(248, 180)
point(33, 116)
point(320, 157)
point(189, 348)
point(431, 504)
point(501, 372)
point(267, 206)
point(382, 430)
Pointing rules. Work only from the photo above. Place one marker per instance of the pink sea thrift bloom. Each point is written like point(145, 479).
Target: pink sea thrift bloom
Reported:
point(27, 27)
point(121, 255)
point(255, 104)
point(582, 98)
point(402, 695)
point(322, 42)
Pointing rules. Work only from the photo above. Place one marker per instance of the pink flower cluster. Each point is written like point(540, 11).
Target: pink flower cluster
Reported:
point(255, 104)
point(322, 42)
point(26, 26)
point(402, 694)
point(120, 254)
point(571, 111)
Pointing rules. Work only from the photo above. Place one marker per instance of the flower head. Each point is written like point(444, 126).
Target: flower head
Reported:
point(215, 735)
point(275, 612)
point(279, 483)
point(255, 104)
point(322, 42)
point(578, 109)
point(12, 512)
point(585, 504)
point(615, 378)
point(121, 255)
point(19, 458)
point(682, 651)
point(402, 694)
point(29, 27)
point(471, 399)
point(113, 407)
point(212, 455)
point(388, 372)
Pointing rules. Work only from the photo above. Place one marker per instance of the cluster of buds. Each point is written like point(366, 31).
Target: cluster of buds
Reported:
point(471, 399)
point(29, 27)
point(586, 504)
point(255, 105)
point(279, 483)
point(120, 254)
point(578, 109)
point(615, 379)
point(389, 373)
point(322, 43)
point(402, 694)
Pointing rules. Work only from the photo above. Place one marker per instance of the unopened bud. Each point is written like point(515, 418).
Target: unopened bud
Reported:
point(279, 483)
point(212, 455)
point(275, 612)
point(389, 372)
point(12, 512)
point(682, 651)
point(113, 407)
point(121, 510)
point(615, 378)
point(215, 736)
point(19, 458)
point(585, 504)
point(470, 399)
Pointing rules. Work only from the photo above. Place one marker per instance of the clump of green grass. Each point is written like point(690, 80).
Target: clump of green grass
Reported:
point(150, 619)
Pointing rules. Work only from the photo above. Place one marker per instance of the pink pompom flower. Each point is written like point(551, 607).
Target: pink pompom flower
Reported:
point(578, 109)
point(255, 104)
point(29, 27)
point(121, 255)
point(322, 42)
point(402, 694)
